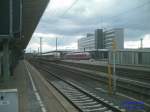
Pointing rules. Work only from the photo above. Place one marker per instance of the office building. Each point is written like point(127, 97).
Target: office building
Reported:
point(87, 43)
point(102, 39)
point(116, 35)
point(99, 39)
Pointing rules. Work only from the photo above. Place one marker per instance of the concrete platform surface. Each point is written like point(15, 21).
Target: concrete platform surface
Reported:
point(35, 93)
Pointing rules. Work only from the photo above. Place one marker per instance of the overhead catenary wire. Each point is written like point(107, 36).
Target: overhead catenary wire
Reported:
point(133, 9)
point(52, 9)
point(66, 11)
point(110, 18)
point(105, 19)
point(114, 18)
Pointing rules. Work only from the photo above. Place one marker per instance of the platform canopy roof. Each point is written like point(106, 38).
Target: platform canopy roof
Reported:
point(32, 11)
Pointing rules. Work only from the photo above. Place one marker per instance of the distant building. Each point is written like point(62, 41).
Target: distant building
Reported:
point(87, 43)
point(99, 39)
point(117, 35)
point(102, 40)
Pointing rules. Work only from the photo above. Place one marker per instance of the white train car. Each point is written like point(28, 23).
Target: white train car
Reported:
point(52, 56)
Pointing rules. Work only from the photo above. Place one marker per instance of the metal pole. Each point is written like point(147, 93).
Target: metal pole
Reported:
point(141, 43)
point(40, 45)
point(30, 49)
point(21, 18)
point(6, 69)
point(109, 79)
point(102, 22)
point(114, 70)
point(56, 43)
point(11, 18)
point(114, 66)
point(38, 51)
point(109, 73)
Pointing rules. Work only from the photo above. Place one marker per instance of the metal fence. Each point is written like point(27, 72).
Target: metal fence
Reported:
point(130, 57)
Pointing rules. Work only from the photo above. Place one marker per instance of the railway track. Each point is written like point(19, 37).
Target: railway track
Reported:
point(141, 87)
point(140, 93)
point(124, 85)
point(82, 99)
point(135, 74)
point(135, 89)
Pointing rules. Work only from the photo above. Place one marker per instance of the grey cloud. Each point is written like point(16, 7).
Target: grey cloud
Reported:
point(75, 22)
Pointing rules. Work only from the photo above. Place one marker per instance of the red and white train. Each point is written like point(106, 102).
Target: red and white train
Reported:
point(78, 56)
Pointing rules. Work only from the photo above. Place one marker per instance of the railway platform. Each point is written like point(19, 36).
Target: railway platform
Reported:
point(35, 94)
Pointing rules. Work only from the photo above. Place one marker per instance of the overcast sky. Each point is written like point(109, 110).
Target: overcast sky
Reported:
point(70, 20)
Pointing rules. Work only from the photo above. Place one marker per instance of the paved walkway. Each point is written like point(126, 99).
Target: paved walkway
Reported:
point(19, 81)
point(29, 101)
